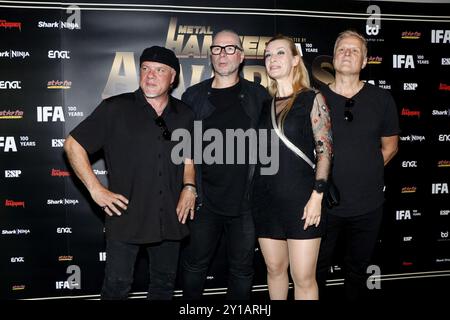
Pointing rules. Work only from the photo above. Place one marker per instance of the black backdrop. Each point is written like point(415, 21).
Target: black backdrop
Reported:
point(57, 63)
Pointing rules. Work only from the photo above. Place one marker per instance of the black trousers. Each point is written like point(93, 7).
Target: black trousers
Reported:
point(120, 261)
point(360, 236)
point(205, 232)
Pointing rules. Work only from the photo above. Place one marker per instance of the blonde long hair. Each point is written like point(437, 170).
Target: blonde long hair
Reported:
point(300, 79)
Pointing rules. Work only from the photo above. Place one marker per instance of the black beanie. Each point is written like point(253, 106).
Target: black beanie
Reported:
point(161, 55)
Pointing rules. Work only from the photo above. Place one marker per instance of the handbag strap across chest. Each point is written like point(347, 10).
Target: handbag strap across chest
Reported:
point(285, 140)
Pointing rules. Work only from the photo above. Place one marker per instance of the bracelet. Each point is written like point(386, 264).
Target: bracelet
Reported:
point(189, 185)
point(191, 188)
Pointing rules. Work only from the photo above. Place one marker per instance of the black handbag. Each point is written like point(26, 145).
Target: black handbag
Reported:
point(331, 195)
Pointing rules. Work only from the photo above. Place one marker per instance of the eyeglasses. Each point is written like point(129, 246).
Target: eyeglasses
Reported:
point(167, 135)
point(229, 49)
point(348, 115)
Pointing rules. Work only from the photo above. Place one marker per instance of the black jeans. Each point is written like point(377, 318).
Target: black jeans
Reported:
point(206, 230)
point(120, 261)
point(360, 234)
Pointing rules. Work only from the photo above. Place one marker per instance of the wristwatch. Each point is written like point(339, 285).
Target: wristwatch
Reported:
point(320, 185)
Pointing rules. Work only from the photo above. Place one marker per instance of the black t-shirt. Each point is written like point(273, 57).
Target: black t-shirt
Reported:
point(358, 169)
point(139, 164)
point(224, 184)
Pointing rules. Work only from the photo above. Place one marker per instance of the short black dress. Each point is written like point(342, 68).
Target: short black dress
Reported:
point(278, 200)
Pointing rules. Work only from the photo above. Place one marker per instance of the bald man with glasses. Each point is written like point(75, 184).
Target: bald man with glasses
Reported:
point(223, 102)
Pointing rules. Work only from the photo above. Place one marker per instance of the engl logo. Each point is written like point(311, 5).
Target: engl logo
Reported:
point(444, 212)
point(12, 54)
point(13, 173)
point(441, 138)
point(64, 230)
point(10, 85)
point(17, 259)
point(440, 36)
point(11, 115)
point(409, 164)
point(406, 112)
point(59, 84)
point(10, 25)
point(444, 234)
point(445, 61)
point(407, 239)
point(411, 35)
point(59, 54)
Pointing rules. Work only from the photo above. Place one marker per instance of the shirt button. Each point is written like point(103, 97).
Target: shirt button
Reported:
point(159, 174)
point(160, 191)
point(159, 155)
point(161, 209)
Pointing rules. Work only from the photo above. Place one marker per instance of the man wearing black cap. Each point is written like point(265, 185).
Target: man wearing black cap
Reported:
point(149, 197)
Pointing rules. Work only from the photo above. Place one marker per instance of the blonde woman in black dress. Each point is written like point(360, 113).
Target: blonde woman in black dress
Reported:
point(288, 205)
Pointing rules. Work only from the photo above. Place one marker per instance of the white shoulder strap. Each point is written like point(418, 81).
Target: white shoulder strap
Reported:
point(283, 138)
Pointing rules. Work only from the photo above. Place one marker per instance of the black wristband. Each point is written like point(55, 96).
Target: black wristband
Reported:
point(189, 184)
point(320, 185)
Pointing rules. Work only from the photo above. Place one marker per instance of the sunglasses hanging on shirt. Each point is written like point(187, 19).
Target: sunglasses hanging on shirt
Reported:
point(167, 135)
point(348, 115)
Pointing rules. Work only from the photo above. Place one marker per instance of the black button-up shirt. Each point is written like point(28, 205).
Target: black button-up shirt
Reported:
point(139, 164)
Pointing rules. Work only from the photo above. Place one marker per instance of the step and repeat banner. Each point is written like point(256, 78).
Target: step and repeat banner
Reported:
point(58, 61)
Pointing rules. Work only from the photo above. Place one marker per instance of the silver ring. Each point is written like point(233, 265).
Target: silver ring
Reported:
point(104, 207)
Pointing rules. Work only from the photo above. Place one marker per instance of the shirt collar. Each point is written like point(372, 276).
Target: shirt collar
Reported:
point(140, 98)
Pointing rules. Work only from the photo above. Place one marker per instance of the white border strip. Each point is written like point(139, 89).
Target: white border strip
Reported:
point(257, 288)
point(220, 10)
